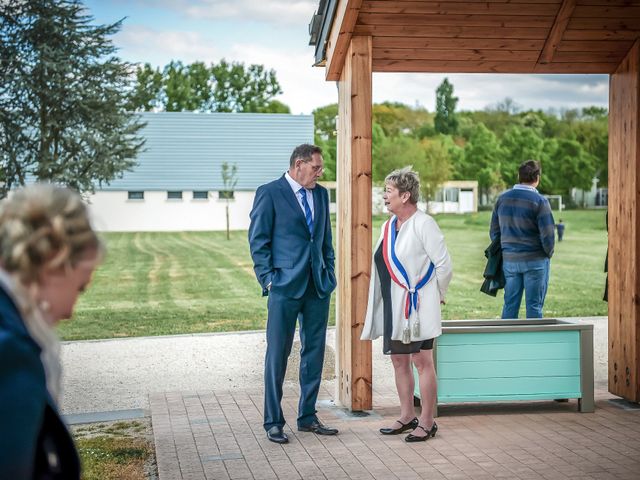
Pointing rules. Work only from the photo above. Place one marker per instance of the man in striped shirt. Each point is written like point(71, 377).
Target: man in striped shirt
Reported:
point(523, 222)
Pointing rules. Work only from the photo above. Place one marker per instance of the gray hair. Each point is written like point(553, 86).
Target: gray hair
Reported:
point(304, 152)
point(405, 180)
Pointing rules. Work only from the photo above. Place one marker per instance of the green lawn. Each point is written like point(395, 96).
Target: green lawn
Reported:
point(167, 283)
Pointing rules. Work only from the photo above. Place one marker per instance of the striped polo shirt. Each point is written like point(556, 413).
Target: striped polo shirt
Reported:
point(523, 222)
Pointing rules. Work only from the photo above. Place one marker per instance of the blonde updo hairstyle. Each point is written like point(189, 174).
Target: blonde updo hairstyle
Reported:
point(405, 180)
point(44, 227)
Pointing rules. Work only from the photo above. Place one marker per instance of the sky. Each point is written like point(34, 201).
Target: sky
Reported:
point(275, 33)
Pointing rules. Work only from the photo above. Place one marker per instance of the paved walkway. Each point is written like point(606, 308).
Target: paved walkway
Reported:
point(218, 435)
point(209, 425)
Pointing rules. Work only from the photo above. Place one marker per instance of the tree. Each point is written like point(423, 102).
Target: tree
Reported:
point(568, 165)
point(400, 119)
point(229, 180)
point(221, 87)
point(146, 91)
point(427, 157)
point(62, 97)
point(518, 145)
point(276, 106)
point(394, 153)
point(445, 120)
point(325, 136)
point(435, 169)
point(482, 160)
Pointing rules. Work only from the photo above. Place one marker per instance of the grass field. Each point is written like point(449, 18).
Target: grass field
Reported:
point(168, 283)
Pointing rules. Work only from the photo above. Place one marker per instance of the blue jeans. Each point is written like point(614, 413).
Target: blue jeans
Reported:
point(532, 277)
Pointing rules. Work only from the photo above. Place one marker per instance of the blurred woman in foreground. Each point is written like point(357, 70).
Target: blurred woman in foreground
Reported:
point(48, 252)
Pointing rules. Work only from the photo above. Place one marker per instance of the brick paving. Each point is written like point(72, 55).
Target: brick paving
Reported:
point(210, 435)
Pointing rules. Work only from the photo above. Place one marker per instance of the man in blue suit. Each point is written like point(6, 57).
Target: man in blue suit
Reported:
point(290, 242)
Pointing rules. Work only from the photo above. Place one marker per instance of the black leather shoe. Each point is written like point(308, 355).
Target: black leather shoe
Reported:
point(317, 427)
point(405, 426)
point(429, 433)
point(275, 434)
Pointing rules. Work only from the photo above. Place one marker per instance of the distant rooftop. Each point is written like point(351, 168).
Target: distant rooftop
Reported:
point(185, 150)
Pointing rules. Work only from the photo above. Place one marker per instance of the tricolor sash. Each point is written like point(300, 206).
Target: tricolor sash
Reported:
point(395, 267)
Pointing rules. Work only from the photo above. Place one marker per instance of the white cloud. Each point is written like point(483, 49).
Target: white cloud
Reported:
point(143, 44)
point(279, 12)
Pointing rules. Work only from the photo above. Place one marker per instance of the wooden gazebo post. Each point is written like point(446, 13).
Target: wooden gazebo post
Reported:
point(624, 227)
point(354, 223)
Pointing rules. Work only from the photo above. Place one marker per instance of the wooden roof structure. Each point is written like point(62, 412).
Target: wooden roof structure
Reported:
point(355, 38)
point(480, 36)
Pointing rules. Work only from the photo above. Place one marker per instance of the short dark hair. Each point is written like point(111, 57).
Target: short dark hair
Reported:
point(304, 152)
point(529, 171)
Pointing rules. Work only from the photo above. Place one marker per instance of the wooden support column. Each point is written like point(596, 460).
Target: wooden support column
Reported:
point(354, 225)
point(624, 228)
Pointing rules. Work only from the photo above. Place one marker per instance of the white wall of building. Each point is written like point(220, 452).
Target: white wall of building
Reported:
point(112, 211)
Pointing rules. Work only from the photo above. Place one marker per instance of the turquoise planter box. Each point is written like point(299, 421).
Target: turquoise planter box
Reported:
point(510, 360)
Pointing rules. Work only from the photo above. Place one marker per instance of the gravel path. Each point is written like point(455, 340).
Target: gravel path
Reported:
point(118, 374)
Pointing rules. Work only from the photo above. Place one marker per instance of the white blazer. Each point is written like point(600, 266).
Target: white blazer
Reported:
point(418, 243)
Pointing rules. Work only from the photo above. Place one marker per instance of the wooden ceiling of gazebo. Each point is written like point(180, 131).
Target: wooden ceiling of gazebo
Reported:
point(483, 36)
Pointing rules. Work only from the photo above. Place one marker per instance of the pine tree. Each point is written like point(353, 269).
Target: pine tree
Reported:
point(63, 97)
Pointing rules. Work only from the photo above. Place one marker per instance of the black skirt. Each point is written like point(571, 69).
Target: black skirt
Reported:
point(393, 346)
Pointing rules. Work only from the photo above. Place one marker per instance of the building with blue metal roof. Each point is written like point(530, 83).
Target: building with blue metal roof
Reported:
point(178, 178)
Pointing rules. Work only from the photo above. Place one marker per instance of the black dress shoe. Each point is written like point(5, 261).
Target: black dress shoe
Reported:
point(405, 426)
point(429, 433)
point(275, 434)
point(317, 427)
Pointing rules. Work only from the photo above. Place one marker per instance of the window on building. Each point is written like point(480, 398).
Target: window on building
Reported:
point(135, 195)
point(452, 194)
point(225, 195)
point(200, 195)
point(176, 195)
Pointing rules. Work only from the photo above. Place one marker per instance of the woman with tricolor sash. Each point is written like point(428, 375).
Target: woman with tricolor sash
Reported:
point(410, 273)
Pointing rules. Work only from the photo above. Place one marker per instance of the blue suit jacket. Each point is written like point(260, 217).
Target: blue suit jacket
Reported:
point(32, 434)
point(283, 251)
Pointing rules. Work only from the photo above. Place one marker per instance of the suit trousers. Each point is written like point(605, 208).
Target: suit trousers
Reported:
point(312, 312)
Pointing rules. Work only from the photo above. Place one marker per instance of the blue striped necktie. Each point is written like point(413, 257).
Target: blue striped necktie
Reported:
point(307, 209)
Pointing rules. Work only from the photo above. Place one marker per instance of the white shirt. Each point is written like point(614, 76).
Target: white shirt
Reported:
point(295, 186)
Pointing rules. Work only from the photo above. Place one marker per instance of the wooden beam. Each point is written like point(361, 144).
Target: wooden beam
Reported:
point(594, 34)
point(557, 31)
point(487, 66)
point(454, 54)
point(593, 46)
point(354, 224)
point(425, 21)
point(465, 43)
point(340, 37)
point(450, 31)
point(465, 8)
point(624, 228)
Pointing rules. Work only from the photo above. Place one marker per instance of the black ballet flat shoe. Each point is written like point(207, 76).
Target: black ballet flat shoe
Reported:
point(405, 426)
point(429, 433)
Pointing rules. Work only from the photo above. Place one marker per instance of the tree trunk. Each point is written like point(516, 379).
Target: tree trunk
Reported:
point(227, 212)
